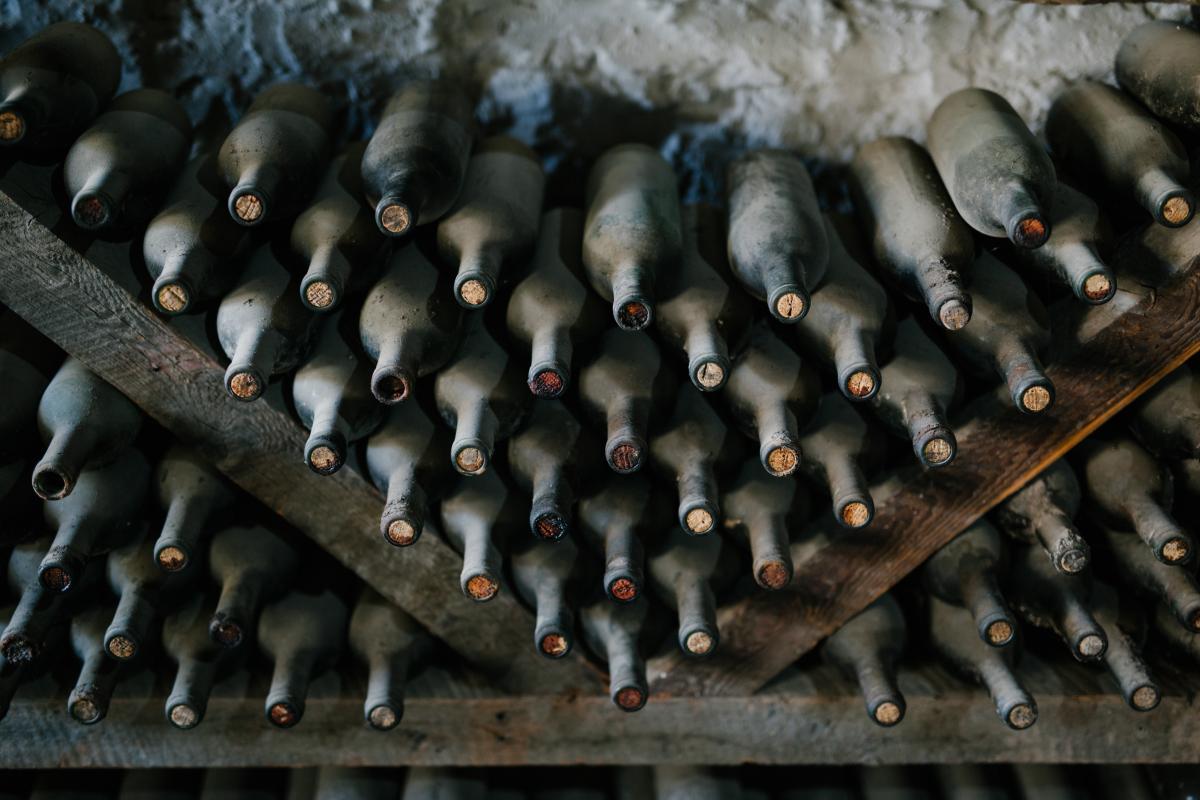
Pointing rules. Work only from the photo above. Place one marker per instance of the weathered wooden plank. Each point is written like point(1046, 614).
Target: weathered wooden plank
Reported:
point(88, 314)
point(999, 450)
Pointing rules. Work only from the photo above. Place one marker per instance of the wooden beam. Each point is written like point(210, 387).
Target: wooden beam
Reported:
point(87, 313)
point(999, 451)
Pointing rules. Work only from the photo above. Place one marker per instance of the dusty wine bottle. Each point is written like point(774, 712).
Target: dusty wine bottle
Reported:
point(99, 515)
point(408, 324)
point(699, 313)
point(1167, 418)
point(414, 166)
point(761, 512)
point(1175, 586)
point(192, 249)
point(85, 422)
point(1155, 64)
point(478, 518)
point(252, 566)
point(1125, 625)
point(143, 591)
point(611, 631)
point(272, 159)
point(406, 459)
point(866, 650)
point(621, 388)
point(682, 567)
point(917, 235)
point(93, 690)
point(494, 223)
point(1049, 599)
point(335, 235)
point(770, 396)
point(917, 388)
point(1103, 136)
point(777, 241)
point(632, 234)
point(999, 177)
point(542, 574)
point(1130, 490)
point(1043, 513)
point(541, 459)
point(194, 495)
point(117, 170)
point(392, 646)
point(833, 449)
point(53, 84)
point(550, 309)
point(1072, 254)
point(331, 392)
point(685, 453)
point(953, 637)
point(966, 572)
point(200, 662)
point(303, 634)
point(609, 522)
point(39, 611)
point(480, 394)
point(1008, 329)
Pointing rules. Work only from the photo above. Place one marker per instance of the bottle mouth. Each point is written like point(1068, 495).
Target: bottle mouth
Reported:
point(1176, 550)
point(1073, 561)
point(319, 294)
point(1175, 208)
point(481, 588)
point(283, 714)
point(470, 457)
point(856, 513)
point(997, 632)
point(1036, 396)
point(171, 296)
point(224, 631)
point(548, 380)
point(632, 313)
point(326, 454)
point(57, 576)
point(401, 531)
point(1021, 716)
point(548, 525)
point(248, 206)
point(1029, 229)
point(780, 459)
point(172, 557)
point(383, 717)
point(183, 716)
point(474, 289)
point(121, 646)
point(954, 314)
point(860, 382)
point(1097, 287)
point(553, 643)
point(708, 372)
point(393, 216)
point(93, 210)
point(624, 455)
point(789, 303)
point(773, 575)
point(12, 127)
point(1145, 697)
point(391, 385)
point(888, 713)
point(243, 382)
point(630, 698)
point(1090, 647)
point(698, 642)
point(623, 589)
point(85, 710)
point(51, 482)
point(936, 448)
point(698, 518)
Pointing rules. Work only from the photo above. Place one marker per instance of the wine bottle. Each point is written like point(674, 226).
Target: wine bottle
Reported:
point(1167, 418)
point(1103, 136)
point(699, 313)
point(192, 249)
point(1175, 586)
point(609, 521)
point(262, 326)
point(331, 392)
point(917, 388)
point(611, 631)
point(866, 650)
point(408, 324)
point(1043, 513)
point(770, 396)
point(550, 309)
point(143, 592)
point(621, 388)
point(833, 449)
point(11, 676)
point(478, 517)
point(481, 395)
point(85, 422)
point(1129, 489)
point(1008, 330)
point(200, 662)
point(541, 459)
point(415, 163)
point(118, 169)
point(252, 566)
point(542, 574)
point(686, 453)
point(274, 156)
point(917, 235)
point(1154, 64)
point(39, 611)
point(392, 646)
point(1072, 254)
point(632, 234)
point(194, 496)
point(761, 513)
point(335, 235)
point(777, 244)
point(681, 568)
point(999, 177)
point(54, 84)
point(845, 326)
point(953, 637)
point(406, 458)
point(1185, 640)
point(89, 699)
point(303, 634)
point(493, 225)
point(99, 515)
point(1048, 599)
point(1125, 625)
point(966, 572)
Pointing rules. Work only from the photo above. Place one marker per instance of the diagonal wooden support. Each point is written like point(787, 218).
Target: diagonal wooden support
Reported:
point(87, 313)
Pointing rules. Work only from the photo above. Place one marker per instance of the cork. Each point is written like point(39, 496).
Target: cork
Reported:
point(699, 643)
point(183, 716)
point(710, 375)
point(773, 575)
point(633, 315)
point(383, 718)
point(623, 589)
point(789, 305)
point(554, 645)
point(248, 207)
point(1175, 550)
point(244, 386)
point(1035, 399)
point(56, 579)
point(122, 648)
point(887, 713)
point(473, 292)
point(12, 126)
point(482, 588)
point(401, 533)
point(855, 514)
point(1097, 287)
point(283, 715)
point(323, 459)
point(470, 459)
point(938, 451)
point(319, 294)
point(860, 384)
point(699, 520)
point(1145, 698)
point(395, 219)
point(999, 632)
point(85, 710)
point(626, 457)
point(172, 297)
point(954, 315)
point(782, 460)
point(1177, 210)
point(630, 698)
point(1022, 716)
point(1031, 232)
point(547, 383)
point(1090, 646)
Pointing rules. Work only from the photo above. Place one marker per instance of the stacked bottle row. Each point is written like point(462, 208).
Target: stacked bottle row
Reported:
point(952, 782)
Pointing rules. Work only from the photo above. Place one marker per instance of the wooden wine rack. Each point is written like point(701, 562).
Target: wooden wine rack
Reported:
point(84, 297)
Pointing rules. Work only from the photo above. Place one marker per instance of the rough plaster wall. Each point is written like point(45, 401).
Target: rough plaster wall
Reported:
point(699, 78)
